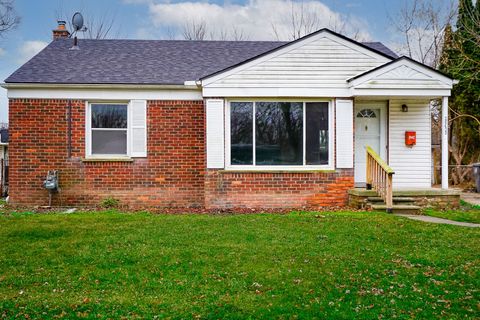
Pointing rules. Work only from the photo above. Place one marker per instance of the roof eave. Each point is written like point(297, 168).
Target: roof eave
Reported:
point(18, 85)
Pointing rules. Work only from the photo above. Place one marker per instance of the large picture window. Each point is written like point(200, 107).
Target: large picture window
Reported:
point(109, 129)
point(279, 134)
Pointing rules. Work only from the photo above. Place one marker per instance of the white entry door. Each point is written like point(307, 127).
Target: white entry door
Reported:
point(368, 132)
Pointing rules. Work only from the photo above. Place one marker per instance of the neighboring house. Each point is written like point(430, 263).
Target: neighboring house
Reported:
point(3, 159)
point(217, 124)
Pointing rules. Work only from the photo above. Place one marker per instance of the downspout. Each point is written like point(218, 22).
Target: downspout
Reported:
point(69, 129)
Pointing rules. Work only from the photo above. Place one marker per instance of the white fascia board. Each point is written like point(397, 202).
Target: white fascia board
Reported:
point(277, 92)
point(289, 47)
point(97, 86)
point(104, 93)
point(402, 62)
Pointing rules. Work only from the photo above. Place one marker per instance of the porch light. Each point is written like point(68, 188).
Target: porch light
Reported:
point(404, 108)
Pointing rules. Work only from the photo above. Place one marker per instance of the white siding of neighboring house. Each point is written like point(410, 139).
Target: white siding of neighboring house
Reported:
point(412, 165)
point(323, 62)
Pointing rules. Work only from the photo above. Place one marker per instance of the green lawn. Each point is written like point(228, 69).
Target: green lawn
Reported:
point(300, 265)
point(466, 213)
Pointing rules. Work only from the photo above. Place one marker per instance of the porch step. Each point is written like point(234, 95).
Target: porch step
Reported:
point(395, 199)
point(398, 208)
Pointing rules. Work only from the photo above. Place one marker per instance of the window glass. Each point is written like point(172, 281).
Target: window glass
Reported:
point(241, 133)
point(279, 133)
point(109, 142)
point(316, 133)
point(109, 116)
point(109, 123)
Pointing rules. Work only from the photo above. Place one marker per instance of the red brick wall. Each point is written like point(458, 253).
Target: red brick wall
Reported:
point(225, 189)
point(171, 176)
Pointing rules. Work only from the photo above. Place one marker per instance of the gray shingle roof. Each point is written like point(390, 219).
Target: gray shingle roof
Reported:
point(140, 61)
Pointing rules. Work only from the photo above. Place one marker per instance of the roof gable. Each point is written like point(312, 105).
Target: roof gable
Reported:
point(323, 60)
point(369, 50)
point(402, 72)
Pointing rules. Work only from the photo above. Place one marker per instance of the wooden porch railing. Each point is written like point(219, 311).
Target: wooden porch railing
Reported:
point(379, 177)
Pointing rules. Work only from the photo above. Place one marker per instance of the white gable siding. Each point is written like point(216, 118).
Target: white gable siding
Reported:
point(412, 165)
point(324, 62)
point(403, 77)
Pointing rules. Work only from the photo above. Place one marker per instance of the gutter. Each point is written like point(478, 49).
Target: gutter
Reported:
point(188, 85)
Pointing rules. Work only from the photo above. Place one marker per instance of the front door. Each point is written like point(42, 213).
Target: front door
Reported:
point(368, 132)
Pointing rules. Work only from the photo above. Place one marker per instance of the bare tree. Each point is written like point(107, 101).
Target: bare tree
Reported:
point(198, 30)
point(304, 19)
point(194, 30)
point(100, 25)
point(421, 24)
point(8, 16)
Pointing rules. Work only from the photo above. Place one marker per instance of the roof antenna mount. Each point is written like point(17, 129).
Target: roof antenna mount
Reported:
point(77, 24)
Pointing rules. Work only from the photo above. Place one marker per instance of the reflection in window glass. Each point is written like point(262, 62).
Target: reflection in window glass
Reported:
point(241, 133)
point(109, 116)
point(279, 133)
point(109, 142)
point(316, 133)
point(109, 123)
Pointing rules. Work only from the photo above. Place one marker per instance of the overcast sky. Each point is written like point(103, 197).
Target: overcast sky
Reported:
point(157, 19)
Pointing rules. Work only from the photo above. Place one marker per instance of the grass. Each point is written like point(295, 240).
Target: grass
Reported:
point(467, 213)
point(300, 265)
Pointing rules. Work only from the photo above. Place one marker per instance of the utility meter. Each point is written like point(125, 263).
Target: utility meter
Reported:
point(51, 182)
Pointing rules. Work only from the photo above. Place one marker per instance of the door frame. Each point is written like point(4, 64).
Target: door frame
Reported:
point(373, 104)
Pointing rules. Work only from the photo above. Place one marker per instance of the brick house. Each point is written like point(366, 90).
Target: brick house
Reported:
point(217, 124)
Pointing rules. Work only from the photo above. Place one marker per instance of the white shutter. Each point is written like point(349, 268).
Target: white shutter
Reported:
point(344, 131)
point(215, 133)
point(138, 128)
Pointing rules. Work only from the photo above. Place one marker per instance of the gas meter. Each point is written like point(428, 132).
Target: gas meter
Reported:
point(51, 182)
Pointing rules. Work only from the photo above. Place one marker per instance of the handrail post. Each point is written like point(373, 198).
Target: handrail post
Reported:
point(389, 191)
point(369, 172)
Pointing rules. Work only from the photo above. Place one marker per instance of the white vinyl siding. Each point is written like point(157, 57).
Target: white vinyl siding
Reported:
point(323, 62)
point(139, 128)
point(412, 165)
point(215, 134)
point(344, 131)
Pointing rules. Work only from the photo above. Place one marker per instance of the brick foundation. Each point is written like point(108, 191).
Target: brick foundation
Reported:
point(224, 189)
point(172, 175)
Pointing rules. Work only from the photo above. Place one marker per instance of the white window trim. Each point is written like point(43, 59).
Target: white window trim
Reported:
point(88, 131)
point(304, 167)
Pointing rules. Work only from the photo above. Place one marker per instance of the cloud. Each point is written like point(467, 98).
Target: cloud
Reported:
point(2, 52)
point(28, 49)
point(255, 19)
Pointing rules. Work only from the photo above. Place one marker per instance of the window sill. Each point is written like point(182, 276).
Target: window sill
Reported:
point(118, 159)
point(279, 170)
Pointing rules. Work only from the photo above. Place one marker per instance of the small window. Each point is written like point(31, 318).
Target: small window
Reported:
point(366, 113)
point(109, 129)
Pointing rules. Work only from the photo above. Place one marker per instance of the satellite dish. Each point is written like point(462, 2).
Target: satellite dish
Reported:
point(77, 21)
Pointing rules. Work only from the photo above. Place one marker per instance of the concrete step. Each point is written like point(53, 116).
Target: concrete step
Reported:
point(395, 199)
point(397, 208)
